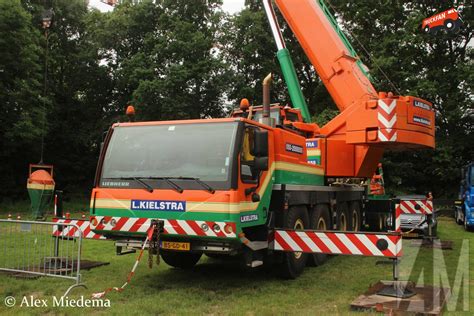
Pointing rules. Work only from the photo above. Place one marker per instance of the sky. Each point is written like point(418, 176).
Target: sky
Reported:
point(231, 6)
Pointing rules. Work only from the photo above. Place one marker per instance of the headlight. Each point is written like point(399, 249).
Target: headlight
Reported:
point(204, 227)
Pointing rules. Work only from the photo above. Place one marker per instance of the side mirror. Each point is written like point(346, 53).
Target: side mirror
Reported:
point(261, 144)
point(261, 163)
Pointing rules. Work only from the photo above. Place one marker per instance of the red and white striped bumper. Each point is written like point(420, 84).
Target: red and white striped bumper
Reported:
point(363, 244)
point(109, 224)
point(416, 207)
point(73, 232)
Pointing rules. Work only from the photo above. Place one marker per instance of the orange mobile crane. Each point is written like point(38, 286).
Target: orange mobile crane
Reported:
point(261, 183)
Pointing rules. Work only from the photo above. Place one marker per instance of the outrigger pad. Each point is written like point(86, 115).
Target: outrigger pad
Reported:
point(397, 289)
point(425, 299)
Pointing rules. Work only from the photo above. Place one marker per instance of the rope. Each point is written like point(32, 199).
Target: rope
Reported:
point(149, 237)
point(45, 89)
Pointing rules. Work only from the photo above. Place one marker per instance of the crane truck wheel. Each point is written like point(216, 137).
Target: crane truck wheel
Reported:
point(293, 263)
point(343, 217)
point(182, 260)
point(457, 217)
point(466, 227)
point(319, 220)
point(356, 219)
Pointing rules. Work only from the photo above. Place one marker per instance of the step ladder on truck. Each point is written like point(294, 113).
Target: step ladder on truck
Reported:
point(264, 183)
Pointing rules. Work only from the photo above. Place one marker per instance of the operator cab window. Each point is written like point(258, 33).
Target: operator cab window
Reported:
point(290, 116)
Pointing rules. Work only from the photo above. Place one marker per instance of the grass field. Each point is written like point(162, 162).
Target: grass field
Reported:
point(221, 288)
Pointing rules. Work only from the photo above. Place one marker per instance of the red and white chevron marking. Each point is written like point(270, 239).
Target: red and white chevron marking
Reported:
point(362, 244)
point(387, 117)
point(72, 231)
point(416, 206)
point(171, 226)
point(398, 222)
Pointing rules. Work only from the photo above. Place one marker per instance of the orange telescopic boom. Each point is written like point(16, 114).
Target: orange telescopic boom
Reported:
point(370, 121)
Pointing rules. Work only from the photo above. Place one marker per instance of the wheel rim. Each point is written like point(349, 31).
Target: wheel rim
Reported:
point(355, 220)
point(449, 25)
point(299, 225)
point(343, 222)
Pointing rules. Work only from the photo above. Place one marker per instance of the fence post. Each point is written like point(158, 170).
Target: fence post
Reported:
point(58, 212)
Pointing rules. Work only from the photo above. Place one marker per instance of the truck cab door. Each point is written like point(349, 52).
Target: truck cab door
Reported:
point(254, 174)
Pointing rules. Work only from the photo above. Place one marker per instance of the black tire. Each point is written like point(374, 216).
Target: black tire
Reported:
point(294, 262)
point(466, 227)
point(458, 219)
point(449, 25)
point(343, 217)
point(319, 220)
point(182, 260)
point(355, 216)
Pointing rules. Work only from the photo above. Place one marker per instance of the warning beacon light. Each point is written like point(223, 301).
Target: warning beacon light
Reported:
point(130, 112)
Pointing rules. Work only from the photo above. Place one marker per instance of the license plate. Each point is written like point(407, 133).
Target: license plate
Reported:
point(411, 235)
point(173, 245)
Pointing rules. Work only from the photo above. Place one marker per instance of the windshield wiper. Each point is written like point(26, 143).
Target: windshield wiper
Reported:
point(203, 184)
point(148, 187)
point(171, 183)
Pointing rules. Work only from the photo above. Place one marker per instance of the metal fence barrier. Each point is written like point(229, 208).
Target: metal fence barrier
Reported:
point(28, 247)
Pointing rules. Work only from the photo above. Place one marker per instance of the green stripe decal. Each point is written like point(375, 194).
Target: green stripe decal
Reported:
point(289, 177)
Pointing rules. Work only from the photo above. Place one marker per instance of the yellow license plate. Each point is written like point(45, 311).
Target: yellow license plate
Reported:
point(411, 235)
point(173, 245)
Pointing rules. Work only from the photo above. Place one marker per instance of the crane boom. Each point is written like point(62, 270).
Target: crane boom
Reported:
point(333, 61)
point(370, 121)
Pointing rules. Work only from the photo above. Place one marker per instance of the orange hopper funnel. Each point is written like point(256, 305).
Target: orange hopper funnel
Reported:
point(40, 187)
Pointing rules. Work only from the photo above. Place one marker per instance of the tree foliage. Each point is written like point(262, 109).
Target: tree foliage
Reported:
point(164, 58)
point(20, 92)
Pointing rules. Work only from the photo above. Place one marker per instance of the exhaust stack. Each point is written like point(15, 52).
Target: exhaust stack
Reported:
point(266, 119)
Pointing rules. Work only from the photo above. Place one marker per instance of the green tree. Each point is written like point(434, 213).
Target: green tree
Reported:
point(165, 59)
point(78, 92)
point(20, 93)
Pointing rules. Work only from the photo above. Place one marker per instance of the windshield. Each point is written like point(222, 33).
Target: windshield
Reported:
point(203, 151)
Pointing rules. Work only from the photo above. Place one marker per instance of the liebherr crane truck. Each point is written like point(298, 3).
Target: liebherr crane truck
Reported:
point(261, 183)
